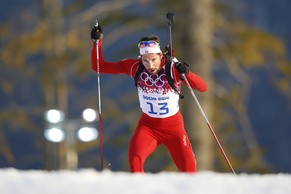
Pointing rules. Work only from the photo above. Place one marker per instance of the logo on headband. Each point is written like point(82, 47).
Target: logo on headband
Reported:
point(148, 50)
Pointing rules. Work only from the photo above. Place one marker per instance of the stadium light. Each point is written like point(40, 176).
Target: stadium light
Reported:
point(59, 129)
point(87, 134)
point(54, 116)
point(54, 135)
point(89, 115)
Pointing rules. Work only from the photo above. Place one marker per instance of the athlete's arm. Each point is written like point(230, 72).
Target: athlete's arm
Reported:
point(195, 81)
point(120, 67)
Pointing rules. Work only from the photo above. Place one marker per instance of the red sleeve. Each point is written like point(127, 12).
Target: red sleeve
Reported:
point(195, 81)
point(125, 66)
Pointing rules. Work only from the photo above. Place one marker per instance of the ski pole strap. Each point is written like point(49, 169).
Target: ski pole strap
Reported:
point(169, 77)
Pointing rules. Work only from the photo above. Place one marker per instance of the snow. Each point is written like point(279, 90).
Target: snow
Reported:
point(87, 181)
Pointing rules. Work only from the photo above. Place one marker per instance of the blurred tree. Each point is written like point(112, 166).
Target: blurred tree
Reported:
point(241, 49)
point(198, 32)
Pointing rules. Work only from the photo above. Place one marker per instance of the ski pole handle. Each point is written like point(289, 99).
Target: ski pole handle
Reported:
point(96, 26)
point(171, 18)
point(96, 23)
point(96, 33)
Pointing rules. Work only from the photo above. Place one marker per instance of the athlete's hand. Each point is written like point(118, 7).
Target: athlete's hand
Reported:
point(96, 32)
point(182, 67)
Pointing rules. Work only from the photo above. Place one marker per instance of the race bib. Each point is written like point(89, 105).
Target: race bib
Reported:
point(159, 105)
point(156, 97)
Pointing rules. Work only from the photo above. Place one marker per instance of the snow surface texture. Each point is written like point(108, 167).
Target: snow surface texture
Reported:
point(89, 181)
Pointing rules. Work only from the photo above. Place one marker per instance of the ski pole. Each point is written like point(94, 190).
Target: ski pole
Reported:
point(208, 124)
point(171, 19)
point(99, 103)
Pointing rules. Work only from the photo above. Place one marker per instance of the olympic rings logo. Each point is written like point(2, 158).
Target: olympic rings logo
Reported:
point(153, 80)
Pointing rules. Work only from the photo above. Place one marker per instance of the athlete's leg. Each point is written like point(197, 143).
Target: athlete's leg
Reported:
point(181, 151)
point(142, 144)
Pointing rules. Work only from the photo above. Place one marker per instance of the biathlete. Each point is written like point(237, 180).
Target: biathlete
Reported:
point(161, 121)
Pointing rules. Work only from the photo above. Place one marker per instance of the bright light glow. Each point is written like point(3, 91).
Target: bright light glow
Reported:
point(89, 115)
point(54, 116)
point(87, 134)
point(54, 135)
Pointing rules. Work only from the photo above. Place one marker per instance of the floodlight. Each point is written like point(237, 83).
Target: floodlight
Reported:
point(87, 134)
point(89, 115)
point(54, 135)
point(54, 116)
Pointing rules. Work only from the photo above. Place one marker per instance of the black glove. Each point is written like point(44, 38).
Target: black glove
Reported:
point(182, 68)
point(96, 33)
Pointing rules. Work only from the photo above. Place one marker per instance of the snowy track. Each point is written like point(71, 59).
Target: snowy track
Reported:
point(89, 181)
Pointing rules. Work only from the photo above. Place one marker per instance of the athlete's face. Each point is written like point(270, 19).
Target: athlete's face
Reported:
point(152, 62)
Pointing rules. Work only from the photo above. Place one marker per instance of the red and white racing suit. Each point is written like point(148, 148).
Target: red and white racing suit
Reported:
point(161, 121)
